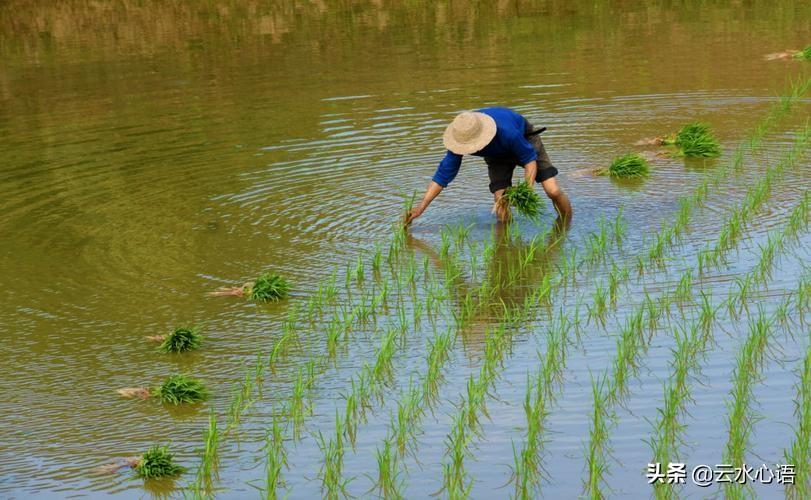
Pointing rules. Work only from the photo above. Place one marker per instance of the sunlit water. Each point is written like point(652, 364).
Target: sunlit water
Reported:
point(153, 153)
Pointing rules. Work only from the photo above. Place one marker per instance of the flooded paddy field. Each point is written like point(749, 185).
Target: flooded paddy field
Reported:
point(154, 152)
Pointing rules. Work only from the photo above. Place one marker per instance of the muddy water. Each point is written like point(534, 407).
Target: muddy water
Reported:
point(155, 151)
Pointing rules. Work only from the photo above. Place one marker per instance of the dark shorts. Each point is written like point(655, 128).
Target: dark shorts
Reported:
point(501, 169)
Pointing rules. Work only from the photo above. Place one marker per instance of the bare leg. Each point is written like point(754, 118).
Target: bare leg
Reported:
point(501, 210)
point(559, 199)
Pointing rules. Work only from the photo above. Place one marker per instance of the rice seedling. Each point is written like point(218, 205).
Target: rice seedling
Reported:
point(804, 54)
point(388, 483)
point(684, 290)
point(668, 428)
point(179, 388)
point(359, 269)
point(596, 466)
point(182, 339)
point(269, 287)
point(276, 459)
point(158, 462)
point(615, 278)
point(527, 467)
point(682, 216)
point(599, 305)
point(627, 166)
point(333, 484)
point(799, 453)
point(298, 406)
point(523, 198)
point(209, 461)
point(740, 416)
point(456, 482)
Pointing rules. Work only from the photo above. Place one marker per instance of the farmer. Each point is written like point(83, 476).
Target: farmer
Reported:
point(505, 140)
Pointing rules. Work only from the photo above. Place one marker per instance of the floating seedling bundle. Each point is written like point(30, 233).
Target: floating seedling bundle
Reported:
point(179, 389)
point(523, 198)
point(181, 340)
point(176, 389)
point(695, 140)
point(804, 54)
point(157, 462)
point(628, 166)
point(269, 287)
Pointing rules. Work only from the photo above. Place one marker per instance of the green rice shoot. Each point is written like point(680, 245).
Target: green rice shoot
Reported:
point(157, 462)
point(628, 166)
point(179, 388)
point(181, 340)
point(804, 54)
point(269, 287)
point(524, 199)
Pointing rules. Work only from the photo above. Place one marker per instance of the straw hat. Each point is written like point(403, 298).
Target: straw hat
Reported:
point(469, 132)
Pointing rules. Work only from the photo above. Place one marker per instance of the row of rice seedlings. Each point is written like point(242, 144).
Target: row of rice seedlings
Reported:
point(333, 482)
point(740, 421)
point(799, 453)
point(596, 461)
point(527, 462)
point(209, 462)
point(472, 406)
point(690, 343)
point(365, 386)
point(597, 465)
point(405, 423)
point(629, 345)
point(275, 460)
point(299, 405)
point(732, 228)
point(794, 93)
point(241, 399)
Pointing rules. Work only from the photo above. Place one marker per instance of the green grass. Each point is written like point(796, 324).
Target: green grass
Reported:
point(523, 198)
point(158, 462)
point(627, 166)
point(804, 54)
point(182, 339)
point(179, 388)
point(697, 141)
point(269, 287)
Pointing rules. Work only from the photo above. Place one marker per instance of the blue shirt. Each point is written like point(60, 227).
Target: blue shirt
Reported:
point(509, 142)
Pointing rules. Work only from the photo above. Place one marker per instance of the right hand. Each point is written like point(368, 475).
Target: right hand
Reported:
point(409, 217)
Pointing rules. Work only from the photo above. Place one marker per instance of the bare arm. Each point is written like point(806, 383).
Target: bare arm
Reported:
point(530, 172)
point(432, 192)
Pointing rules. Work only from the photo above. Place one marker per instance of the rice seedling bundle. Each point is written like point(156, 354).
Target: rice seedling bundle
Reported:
point(179, 388)
point(181, 340)
point(804, 54)
point(269, 287)
point(523, 198)
point(158, 462)
point(628, 166)
point(696, 140)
